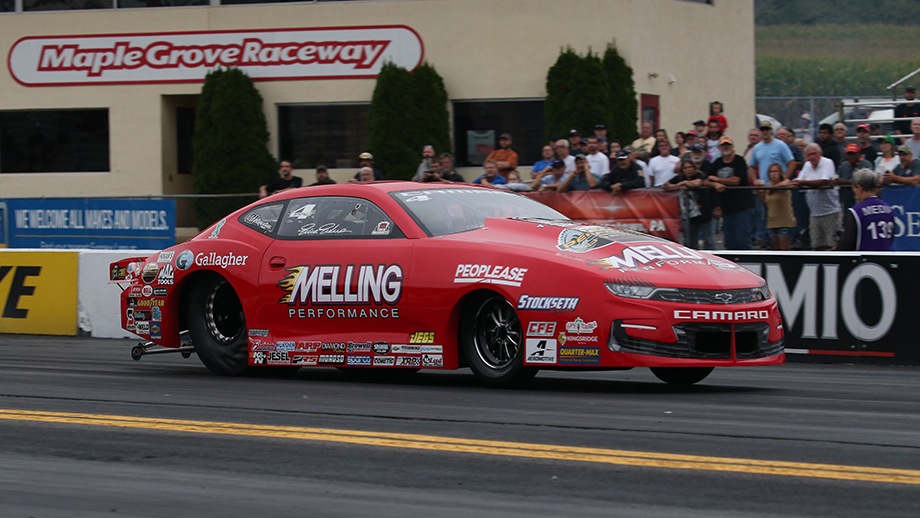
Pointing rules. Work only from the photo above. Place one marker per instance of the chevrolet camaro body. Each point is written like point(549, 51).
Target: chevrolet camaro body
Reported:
point(394, 275)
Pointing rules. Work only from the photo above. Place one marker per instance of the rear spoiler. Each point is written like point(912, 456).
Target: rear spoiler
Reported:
point(126, 270)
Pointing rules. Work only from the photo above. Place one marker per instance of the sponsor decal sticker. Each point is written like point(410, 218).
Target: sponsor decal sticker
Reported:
point(432, 360)
point(150, 272)
point(408, 361)
point(489, 274)
point(304, 359)
point(580, 327)
point(285, 346)
point(584, 239)
point(359, 360)
point(540, 350)
point(216, 232)
point(384, 361)
point(308, 347)
point(332, 359)
point(167, 274)
point(422, 337)
point(185, 260)
point(547, 303)
point(223, 261)
point(336, 285)
point(258, 332)
point(358, 347)
point(382, 229)
point(259, 345)
point(278, 358)
point(155, 330)
point(579, 355)
point(156, 313)
point(142, 328)
point(334, 347)
point(545, 329)
point(258, 358)
point(147, 291)
point(381, 348)
point(438, 349)
point(166, 257)
point(406, 349)
point(160, 292)
point(650, 257)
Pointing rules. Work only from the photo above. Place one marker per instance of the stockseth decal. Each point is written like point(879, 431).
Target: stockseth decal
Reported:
point(264, 55)
point(540, 351)
point(544, 329)
point(547, 303)
point(489, 274)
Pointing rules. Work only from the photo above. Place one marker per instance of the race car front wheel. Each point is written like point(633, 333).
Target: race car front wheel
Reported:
point(681, 375)
point(217, 326)
point(493, 342)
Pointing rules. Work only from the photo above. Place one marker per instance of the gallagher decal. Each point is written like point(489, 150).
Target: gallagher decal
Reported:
point(186, 57)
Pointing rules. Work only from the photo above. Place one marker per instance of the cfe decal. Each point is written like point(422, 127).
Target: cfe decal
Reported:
point(349, 287)
point(186, 57)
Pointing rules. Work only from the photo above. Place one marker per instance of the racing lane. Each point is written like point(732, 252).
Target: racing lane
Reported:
point(84, 431)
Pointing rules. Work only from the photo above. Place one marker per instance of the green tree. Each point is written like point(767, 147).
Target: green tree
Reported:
point(589, 101)
point(408, 110)
point(624, 105)
point(230, 145)
point(560, 88)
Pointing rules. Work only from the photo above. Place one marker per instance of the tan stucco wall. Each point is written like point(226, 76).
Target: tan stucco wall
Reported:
point(484, 49)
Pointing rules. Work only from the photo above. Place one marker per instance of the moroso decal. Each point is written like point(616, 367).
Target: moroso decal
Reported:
point(264, 55)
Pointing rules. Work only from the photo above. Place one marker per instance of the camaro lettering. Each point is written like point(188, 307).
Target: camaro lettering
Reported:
point(338, 285)
point(721, 316)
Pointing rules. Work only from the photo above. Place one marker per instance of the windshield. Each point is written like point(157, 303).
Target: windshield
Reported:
point(449, 211)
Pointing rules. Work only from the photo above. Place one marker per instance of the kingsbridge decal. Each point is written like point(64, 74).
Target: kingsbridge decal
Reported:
point(186, 57)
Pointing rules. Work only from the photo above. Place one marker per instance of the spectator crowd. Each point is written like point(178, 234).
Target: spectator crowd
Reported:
point(774, 191)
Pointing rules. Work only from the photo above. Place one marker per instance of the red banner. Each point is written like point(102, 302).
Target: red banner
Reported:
point(652, 211)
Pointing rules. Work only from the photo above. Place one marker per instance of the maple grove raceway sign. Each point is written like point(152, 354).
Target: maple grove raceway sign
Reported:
point(186, 57)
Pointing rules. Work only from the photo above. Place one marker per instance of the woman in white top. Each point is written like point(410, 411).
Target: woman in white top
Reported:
point(888, 160)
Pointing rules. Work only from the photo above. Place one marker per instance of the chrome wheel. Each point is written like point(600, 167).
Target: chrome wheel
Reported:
point(498, 334)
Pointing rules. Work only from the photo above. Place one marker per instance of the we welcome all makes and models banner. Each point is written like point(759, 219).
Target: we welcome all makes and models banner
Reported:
point(186, 57)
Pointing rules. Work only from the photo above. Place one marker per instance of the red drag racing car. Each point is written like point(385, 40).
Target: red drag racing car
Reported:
point(392, 275)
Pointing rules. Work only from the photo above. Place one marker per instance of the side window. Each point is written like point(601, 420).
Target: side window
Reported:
point(335, 218)
point(263, 218)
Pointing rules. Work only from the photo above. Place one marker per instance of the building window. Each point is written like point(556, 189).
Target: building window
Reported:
point(330, 134)
point(477, 125)
point(128, 4)
point(65, 5)
point(54, 141)
point(185, 132)
point(7, 6)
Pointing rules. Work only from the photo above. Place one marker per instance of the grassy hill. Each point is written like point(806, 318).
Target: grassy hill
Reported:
point(834, 60)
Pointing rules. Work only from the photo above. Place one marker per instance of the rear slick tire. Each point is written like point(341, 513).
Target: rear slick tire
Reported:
point(681, 376)
point(493, 342)
point(217, 326)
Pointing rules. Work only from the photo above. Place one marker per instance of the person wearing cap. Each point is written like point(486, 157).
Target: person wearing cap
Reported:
point(868, 225)
point(908, 110)
point(864, 140)
point(322, 176)
point(818, 175)
point(907, 172)
point(888, 160)
point(914, 141)
point(490, 174)
point(624, 174)
point(855, 161)
point(696, 153)
point(736, 206)
point(699, 127)
point(600, 131)
point(550, 180)
point(366, 159)
point(286, 181)
point(830, 148)
point(505, 158)
point(582, 179)
point(574, 142)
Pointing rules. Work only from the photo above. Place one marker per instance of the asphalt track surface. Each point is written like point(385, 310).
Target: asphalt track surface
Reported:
point(86, 431)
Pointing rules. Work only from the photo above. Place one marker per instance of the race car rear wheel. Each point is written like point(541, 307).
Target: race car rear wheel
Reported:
point(493, 342)
point(681, 375)
point(217, 326)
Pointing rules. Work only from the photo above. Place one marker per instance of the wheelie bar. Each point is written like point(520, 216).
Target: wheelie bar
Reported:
point(142, 349)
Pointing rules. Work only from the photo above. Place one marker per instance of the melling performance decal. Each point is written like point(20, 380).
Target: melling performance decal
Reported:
point(186, 57)
point(337, 291)
point(651, 257)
